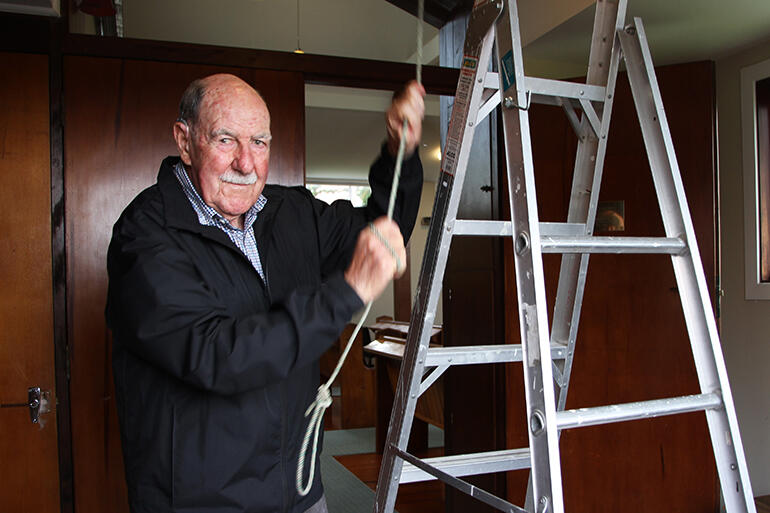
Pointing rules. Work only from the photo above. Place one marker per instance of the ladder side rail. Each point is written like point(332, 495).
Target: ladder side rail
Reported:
point(530, 280)
point(589, 164)
point(603, 62)
point(454, 164)
point(701, 325)
point(610, 15)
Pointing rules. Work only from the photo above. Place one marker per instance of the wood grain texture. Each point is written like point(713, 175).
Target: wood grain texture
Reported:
point(319, 69)
point(423, 497)
point(28, 452)
point(763, 504)
point(632, 342)
point(118, 118)
point(357, 401)
point(473, 304)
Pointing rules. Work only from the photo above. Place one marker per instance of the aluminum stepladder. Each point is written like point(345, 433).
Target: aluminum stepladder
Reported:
point(547, 360)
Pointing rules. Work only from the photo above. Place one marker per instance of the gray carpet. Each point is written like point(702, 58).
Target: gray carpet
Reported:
point(345, 493)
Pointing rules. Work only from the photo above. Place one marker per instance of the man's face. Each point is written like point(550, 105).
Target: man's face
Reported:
point(228, 150)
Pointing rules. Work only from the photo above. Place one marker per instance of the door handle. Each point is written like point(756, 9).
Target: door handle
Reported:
point(39, 403)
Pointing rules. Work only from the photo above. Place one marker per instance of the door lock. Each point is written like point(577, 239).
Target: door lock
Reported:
point(38, 402)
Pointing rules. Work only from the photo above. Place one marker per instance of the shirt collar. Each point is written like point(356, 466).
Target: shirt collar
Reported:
point(207, 216)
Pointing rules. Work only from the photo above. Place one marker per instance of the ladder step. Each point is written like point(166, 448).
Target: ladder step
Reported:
point(488, 228)
point(469, 355)
point(461, 355)
point(570, 238)
point(572, 244)
point(639, 410)
point(469, 464)
point(503, 228)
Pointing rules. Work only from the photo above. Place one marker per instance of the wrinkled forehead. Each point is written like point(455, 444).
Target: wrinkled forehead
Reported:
point(234, 103)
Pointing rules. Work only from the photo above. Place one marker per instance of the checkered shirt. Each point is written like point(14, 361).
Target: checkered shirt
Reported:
point(207, 216)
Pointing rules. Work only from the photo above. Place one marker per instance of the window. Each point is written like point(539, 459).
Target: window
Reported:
point(763, 175)
point(357, 194)
point(755, 112)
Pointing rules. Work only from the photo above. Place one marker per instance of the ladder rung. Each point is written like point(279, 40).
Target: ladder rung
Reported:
point(488, 228)
point(587, 244)
point(503, 228)
point(639, 410)
point(469, 464)
point(567, 238)
point(469, 355)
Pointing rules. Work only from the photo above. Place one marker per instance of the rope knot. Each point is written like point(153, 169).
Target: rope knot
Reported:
point(323, 400)
point(315, 411)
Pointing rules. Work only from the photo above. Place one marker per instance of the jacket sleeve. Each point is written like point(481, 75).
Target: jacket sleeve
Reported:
point(340, 224)
point(162, 311)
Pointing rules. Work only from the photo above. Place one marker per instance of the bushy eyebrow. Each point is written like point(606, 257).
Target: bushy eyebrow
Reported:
point(223, 131)
point(229, 133)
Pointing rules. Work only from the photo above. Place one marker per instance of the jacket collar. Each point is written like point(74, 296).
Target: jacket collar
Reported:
point(178, 212)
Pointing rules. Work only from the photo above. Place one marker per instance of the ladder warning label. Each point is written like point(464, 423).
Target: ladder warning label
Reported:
point(459, 113)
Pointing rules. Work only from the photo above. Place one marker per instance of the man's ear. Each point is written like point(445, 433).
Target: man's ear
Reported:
point(183, 138)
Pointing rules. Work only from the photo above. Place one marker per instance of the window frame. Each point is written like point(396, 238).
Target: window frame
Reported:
point(755, 288)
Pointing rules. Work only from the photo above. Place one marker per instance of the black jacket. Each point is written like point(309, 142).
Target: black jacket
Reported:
point(214, 368)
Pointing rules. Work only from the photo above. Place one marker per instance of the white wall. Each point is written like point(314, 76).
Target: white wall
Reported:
point(367, 29)
point(420, 238)
point(745, 325)
point(384, 304)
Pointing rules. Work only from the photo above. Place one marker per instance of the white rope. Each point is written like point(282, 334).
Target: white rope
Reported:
point(323, 398)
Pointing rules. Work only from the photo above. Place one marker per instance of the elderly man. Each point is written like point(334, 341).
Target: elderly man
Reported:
point(224, 292)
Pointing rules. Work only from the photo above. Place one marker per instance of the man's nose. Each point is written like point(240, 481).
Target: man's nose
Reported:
point(244, 160)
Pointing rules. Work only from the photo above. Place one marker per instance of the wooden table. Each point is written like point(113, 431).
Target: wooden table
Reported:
point(388, 351)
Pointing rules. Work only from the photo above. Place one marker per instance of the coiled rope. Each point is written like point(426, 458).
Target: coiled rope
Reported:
point(323, 398)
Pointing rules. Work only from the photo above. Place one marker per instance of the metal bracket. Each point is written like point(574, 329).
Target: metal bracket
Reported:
point(510, 103)
point(593, 118)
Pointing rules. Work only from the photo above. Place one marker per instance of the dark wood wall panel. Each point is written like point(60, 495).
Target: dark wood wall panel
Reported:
point(28, 452)
point(118, 118)
point(474, 395)
point(321, 69)
point(632, 343)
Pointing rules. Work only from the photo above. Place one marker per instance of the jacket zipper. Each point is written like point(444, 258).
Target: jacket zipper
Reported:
point(266, 281)
point(284, 463)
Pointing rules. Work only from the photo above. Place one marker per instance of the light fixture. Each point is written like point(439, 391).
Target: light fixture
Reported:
point(298, 49)
point(437, 153)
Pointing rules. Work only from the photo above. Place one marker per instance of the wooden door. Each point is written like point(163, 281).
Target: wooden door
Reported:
point(29, 473)
point(118, 118)
point(632, 343)
point(474, 396)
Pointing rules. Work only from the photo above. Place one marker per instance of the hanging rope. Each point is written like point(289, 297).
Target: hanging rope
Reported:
point(323, 398)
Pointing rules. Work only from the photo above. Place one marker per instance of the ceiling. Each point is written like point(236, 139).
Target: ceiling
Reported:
point(677, 31)
point(341, 143)
point(556, 34)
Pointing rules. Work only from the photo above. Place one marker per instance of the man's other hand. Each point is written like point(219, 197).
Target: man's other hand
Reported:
point(407, 104)
point(373, 264)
